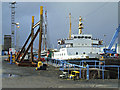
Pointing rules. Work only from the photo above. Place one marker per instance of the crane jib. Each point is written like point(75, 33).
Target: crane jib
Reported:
point(114, 38)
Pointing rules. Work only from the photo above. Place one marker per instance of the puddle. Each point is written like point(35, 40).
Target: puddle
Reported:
point(9, 75)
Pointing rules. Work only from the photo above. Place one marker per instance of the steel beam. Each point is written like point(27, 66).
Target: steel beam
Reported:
point(32, 34)
point(40, 32)
point(23, 46)
point(30, 44)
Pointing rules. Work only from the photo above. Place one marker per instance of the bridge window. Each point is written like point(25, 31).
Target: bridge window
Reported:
point(85, 37)
point(82, 37)
point(89, 37)
point(75, 36)
point(76, 53)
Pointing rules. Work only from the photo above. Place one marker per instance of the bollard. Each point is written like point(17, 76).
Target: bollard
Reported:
point(87, 72)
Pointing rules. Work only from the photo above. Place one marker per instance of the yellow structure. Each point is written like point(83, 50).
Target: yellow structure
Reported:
point(32, 19)
point(40, 32)
point(74, 75)
point(41, 10)
point(13, 58)
point(80, 25)
point(70, 26)
point(39, 64)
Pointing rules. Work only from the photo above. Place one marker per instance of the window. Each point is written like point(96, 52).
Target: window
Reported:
point(75, 36)
point(82, 37)
point(76, 53)
point(90, 52)
point(73, 73)
point(78, 36)
point(89, 37)
point(85, 37)
point(58, 42)
point(71, 44)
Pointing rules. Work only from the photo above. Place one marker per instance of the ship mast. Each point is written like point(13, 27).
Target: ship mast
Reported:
point(70, 26)
point(80, 25)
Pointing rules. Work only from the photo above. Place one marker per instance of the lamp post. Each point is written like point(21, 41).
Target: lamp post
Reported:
point(105, 41)
point(17, 26)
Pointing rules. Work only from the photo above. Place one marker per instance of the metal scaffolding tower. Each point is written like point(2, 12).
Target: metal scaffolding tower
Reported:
point(44, 34)
point(45, 30)
point(12, 6)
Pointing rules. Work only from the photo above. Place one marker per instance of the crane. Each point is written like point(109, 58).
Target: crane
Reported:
point(109, 50)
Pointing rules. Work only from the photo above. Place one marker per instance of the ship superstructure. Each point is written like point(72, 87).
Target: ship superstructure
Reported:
point(78, 46)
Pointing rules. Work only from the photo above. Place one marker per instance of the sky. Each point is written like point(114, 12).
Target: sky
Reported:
point(99, 19)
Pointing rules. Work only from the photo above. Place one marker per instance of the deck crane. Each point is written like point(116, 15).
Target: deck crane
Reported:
point(109, 50)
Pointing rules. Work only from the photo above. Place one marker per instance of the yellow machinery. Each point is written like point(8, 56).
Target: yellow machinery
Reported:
point(39, 65)
point(13, 58)
point(74, 75)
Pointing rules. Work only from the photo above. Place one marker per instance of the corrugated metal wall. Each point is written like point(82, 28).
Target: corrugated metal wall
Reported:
point(7, 42)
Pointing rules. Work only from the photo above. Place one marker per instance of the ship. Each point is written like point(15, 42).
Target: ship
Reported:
point(78, 46)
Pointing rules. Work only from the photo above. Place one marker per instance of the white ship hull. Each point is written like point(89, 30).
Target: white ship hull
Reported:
point(77, 53)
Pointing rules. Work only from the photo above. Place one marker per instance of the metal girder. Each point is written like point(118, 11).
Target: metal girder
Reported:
point(27, 40)
point(23, 47)
point(38, 23)
point(30, 44)
point(114, 37)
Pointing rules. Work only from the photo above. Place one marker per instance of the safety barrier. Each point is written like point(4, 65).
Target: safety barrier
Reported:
point(67, 64)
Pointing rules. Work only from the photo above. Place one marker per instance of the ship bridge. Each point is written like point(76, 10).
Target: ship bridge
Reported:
point(81, 36)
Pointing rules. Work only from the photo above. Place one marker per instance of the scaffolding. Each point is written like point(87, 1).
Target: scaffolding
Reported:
point(12, 6)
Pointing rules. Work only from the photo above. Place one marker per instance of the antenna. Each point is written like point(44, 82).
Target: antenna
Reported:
point(70, 26)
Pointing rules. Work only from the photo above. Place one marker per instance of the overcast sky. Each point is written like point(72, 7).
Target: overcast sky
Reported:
point(99, 18)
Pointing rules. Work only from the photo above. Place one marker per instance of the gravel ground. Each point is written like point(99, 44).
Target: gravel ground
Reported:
point(27, 77)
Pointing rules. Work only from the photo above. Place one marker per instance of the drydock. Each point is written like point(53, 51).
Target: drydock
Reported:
point(79, 60)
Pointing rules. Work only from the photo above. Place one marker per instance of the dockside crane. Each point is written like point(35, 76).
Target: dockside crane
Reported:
point(109, 50)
